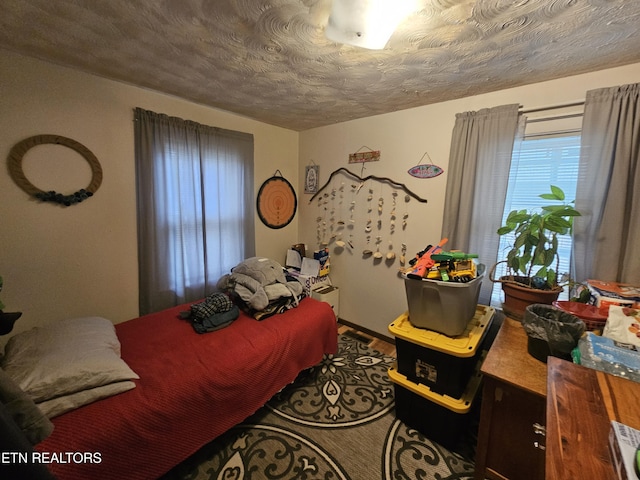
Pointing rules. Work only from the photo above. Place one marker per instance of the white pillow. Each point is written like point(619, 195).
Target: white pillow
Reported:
point(59, 405)
point(65, 357)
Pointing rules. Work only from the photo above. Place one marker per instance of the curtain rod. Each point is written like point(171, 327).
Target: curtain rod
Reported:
point(553, 107)
point(554, 117)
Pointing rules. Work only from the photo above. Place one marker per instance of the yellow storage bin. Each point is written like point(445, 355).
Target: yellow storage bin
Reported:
point(440, 418)
point(444, 364)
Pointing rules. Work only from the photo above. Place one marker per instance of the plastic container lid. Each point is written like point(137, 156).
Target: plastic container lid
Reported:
point(457, 405)
point(464, 345)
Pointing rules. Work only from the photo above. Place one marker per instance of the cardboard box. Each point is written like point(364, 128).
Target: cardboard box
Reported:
point(605, 294)
point(623, 444)
point(322, 256)
point(309, 282)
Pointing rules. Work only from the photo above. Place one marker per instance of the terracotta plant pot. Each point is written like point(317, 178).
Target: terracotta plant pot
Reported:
point(517, 297)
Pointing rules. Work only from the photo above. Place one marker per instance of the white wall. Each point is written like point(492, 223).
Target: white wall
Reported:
point(82, 260)
point(372, 295)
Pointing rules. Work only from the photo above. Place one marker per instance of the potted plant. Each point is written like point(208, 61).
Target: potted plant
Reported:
point(532, 260)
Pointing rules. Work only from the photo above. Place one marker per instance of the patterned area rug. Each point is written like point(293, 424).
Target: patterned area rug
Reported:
point(336, 421)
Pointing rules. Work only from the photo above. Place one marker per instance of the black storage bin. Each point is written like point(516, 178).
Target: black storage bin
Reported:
point(438, 417)
point(444, 364)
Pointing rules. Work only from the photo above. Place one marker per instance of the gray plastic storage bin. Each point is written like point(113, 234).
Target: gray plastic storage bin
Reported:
point(444, 307)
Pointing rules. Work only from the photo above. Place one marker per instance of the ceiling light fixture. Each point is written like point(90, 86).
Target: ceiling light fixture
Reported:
point(367, 23)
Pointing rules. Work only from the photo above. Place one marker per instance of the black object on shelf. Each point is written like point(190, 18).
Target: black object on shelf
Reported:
point(7, 320)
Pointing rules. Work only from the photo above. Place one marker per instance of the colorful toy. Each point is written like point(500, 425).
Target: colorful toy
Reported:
point(425, 262)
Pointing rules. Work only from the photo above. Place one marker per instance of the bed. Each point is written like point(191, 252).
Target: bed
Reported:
point(191, 388)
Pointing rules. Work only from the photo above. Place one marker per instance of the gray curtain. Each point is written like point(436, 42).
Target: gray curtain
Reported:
point(607, 236)
point(477, 179)
point(195, 207)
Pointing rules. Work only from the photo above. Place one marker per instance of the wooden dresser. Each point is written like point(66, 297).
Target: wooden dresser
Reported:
point(511, 437)
point(581, 403)
point(524, 398)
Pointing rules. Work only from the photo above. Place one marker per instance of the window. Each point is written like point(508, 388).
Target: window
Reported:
point(195, 207)
point(540, 162)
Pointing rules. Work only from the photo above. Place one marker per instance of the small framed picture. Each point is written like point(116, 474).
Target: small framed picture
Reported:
point(311, 178)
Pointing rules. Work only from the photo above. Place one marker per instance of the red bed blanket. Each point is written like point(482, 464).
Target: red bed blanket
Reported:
point(192, 388)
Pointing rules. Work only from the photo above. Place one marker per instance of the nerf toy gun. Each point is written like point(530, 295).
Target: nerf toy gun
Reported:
point(425, 262)
point(455, 266)
point(452, 256)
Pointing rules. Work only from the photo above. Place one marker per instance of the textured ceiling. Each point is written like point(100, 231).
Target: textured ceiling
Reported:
point(269, 59)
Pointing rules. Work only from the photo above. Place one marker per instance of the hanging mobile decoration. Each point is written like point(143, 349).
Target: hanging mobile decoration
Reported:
point(403, 255)
point(362, 180)
point(352, 205)
point(332, 216)
point(340, 223)
point(321, 220)
point(392, 219)
point(325, 201)
point(391, 254)
point(368, 227)
point(352, 221)
point(319, 230)
point(377, 255)
point(405, 216)
point(341, 206)
point(425, 170)
point(392, 224)
point(339, 229)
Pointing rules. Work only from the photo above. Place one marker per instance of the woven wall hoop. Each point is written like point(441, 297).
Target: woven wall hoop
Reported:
point(15, 169)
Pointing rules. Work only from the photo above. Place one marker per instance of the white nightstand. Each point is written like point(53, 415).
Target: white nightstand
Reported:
point(329, 294)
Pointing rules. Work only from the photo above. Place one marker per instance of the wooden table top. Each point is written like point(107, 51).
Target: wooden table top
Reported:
point(581, 402)
point(509, 361)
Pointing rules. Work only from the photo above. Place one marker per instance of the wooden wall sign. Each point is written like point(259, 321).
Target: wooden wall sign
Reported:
point(363, 157)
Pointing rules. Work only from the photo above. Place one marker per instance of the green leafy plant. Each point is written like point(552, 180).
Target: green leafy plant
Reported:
point(535, 249)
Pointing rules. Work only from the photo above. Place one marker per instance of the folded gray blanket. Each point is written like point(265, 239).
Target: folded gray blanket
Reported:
point(258, 281)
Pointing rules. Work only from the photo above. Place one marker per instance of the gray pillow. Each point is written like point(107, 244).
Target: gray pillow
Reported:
point(27, 416)
point(65, 357)
point(59, 405)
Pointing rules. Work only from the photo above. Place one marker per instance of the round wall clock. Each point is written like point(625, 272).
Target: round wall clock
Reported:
point(276, 202)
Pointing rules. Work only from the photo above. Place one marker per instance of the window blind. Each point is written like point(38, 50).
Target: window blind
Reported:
point(539, 163)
